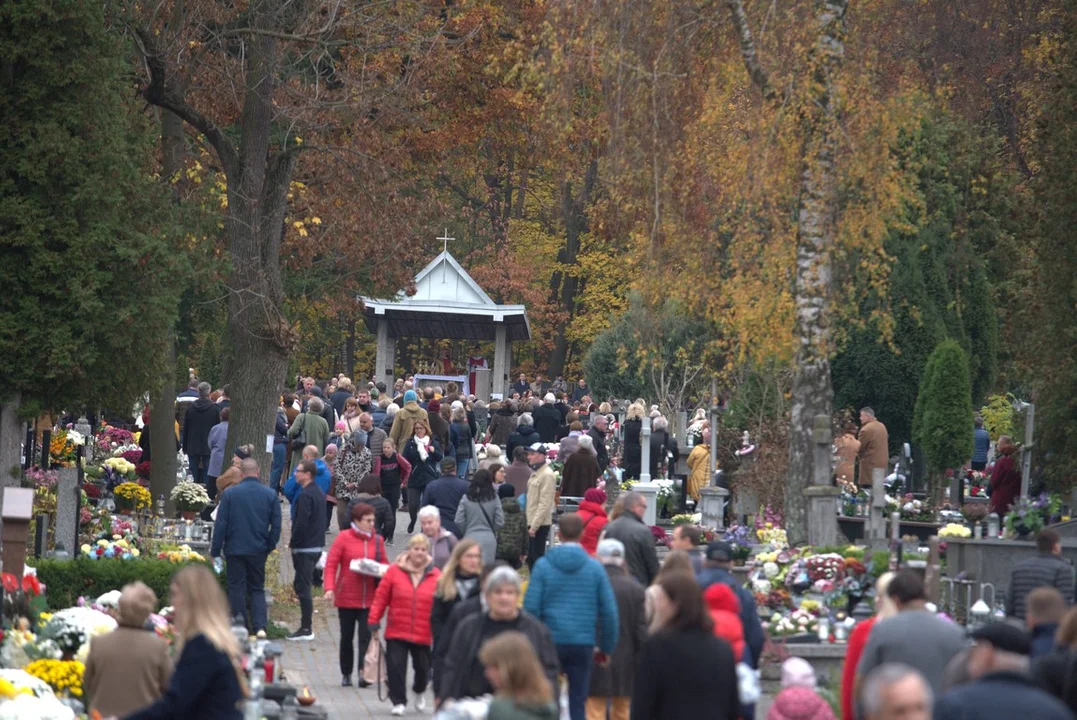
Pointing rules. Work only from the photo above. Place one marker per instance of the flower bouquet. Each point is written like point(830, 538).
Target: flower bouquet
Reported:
point(68, 632)
point(183, 554)
point(954, 530)
point(131, 496)
point(799, 622)
point(190, 498)
point(25, 697)
point(62, 451)
point(63, 676)
point(1028, 516)
point(119, 549)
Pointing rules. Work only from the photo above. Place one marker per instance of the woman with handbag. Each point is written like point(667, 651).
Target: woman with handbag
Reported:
point(406, 595)
point(308, 428)
point(351, 592)
point(479, 514)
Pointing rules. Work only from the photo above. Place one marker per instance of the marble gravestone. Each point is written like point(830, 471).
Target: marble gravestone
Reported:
point(67, 510)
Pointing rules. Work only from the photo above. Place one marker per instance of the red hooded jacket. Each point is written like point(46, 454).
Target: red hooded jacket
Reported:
point(725, 609)
point(409, 605)
point(594, 522)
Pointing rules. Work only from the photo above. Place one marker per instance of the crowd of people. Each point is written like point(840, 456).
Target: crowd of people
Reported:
point(631, 636)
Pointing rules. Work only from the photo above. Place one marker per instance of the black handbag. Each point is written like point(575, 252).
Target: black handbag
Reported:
point(300, 441)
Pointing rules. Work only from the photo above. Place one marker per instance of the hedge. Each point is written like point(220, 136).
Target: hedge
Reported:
point(67, 580)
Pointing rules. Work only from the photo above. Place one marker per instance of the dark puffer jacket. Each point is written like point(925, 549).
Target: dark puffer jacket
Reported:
point(512, 537)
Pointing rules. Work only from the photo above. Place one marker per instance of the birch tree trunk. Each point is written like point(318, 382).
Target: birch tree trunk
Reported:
point(812, 392)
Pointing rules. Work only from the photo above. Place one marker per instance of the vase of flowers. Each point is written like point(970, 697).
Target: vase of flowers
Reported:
point(190, 498)
point(130, 497)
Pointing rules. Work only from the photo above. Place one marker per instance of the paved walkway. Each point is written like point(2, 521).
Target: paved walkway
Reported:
point(315, 664)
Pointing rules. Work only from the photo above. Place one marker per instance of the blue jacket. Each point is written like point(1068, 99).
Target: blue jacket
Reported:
point(749, 618)
point(571, 593)
point(322, 479)
point(444, 494)
point(981, 444)
point(248, 520)
point(204, 685)
point(1043, 639)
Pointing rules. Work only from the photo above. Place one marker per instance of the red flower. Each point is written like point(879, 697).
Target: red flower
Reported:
point(31, 585)
point(100, 551)
point(10, 582)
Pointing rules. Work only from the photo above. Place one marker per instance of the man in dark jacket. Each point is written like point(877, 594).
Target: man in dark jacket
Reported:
point(521, 385)
point(598, 433)
point(525, 434)
point(202, 415)
point(1044, 608)
point(640, 555)
point(308, 539)
point(717, 569)
point(1001, 688)
point(580, 391)
point(1046, 568)
point(547, 420)
point(247, 529)
point(614, 681)
point(444, 493)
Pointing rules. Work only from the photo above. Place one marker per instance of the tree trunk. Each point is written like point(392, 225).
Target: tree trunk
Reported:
point(162, 431)
point(812, 392)
point(566, 286)
point(163, 397)
point(12, 435)
point(258, 174)
point(257, 187)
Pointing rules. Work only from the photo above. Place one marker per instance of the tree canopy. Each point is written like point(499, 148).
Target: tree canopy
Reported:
point(87, 238)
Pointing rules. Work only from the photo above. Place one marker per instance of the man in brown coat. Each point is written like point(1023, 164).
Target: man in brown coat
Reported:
point(129, 668)
point(874, 452)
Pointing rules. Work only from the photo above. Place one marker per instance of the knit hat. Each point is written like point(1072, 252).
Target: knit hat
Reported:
point(610, 548)
point(410, 396)
point(595, 495)
point(798, 672)
point(505, 490)
point(433, 406)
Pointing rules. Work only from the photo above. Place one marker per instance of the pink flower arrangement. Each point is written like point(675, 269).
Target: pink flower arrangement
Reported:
point(132, 456)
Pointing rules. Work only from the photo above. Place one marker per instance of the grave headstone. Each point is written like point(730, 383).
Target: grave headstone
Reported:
point(875, 523)
point(83, 428)
point(67, 509)
point(712, 501)
point(649, 491)
point(822, 495)
point(18, 508)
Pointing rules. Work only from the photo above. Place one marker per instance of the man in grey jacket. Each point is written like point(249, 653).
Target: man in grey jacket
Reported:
point(1046, 569)
point(640, 554)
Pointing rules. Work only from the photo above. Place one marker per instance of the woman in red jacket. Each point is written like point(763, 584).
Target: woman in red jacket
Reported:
point(1005, 479)
point(407, 593)
point(593, 513)
point(350, 592)
point(858, 640)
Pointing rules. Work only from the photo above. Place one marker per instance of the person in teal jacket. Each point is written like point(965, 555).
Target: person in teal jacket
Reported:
point(571, 593)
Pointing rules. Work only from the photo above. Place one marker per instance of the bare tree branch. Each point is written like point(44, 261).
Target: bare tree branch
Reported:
point(747, 50)
point(158, 92)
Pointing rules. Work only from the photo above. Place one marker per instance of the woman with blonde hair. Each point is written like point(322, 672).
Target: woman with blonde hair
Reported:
point(406, 596)
point(858, 640)
point(632, 450)
point(128, 668)
point(459, 581)
point(514, 671)
point(209, 682)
